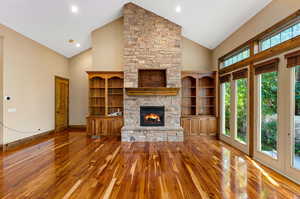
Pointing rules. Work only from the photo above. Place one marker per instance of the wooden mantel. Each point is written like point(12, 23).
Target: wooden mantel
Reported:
point(152, 91)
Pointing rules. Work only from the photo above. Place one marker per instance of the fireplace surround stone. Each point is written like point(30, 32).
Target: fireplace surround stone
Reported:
point(151, 42)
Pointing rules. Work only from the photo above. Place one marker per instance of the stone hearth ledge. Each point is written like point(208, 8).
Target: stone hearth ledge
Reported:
point(152, 134)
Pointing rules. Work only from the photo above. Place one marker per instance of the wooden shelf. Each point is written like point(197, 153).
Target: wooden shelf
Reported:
point(152, 91)
point(207, 96)
point(209, 105)
point(103, 116)
point(96, 106)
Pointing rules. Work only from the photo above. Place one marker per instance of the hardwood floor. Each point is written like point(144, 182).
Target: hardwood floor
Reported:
point(69, 165)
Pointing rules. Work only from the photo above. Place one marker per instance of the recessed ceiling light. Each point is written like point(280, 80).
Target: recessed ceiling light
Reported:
point(74, 9)
point(78, 45)
point(178, 8)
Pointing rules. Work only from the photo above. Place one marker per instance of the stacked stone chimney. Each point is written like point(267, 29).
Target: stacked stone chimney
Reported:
point(151, 42)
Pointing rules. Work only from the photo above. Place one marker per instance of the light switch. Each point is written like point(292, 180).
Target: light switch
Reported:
point(12, 110)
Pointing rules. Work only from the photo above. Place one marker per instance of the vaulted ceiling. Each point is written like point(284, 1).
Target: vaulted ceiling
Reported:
point(51, 22)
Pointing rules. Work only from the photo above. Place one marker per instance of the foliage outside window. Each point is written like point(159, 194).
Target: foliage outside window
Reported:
point(297, 119)
point(268, 102)
point(282, 36)
point(237, 57)
point(242, 102)
point(227, 90)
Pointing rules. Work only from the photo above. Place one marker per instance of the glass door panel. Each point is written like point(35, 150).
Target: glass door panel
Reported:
point(268, 114)
point(241, 110)
point(226, 89)
point(296, 133)
point(292, 156)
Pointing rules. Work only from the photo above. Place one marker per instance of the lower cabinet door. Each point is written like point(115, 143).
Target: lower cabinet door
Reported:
point(104, 126)
point(186, 125)
point(195, 126)
point(199, 126)
point(212, 126)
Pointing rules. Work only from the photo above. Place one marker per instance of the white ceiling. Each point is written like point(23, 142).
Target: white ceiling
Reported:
point(50, 22)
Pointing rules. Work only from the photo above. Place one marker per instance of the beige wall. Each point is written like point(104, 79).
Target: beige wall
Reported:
point(29, 70)
point(79, 64)
point(195, 56)
point(107, 47)
point(271, 14)
point(1, 89)
point(107, 51)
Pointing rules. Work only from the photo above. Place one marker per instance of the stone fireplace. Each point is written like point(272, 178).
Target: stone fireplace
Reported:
point(151, 43)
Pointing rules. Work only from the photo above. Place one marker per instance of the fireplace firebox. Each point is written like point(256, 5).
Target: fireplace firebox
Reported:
point(152, 116)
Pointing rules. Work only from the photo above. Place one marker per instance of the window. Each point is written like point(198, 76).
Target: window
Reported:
point(241, 110)
point(296, 137)
point(236, 57)
point(227, 111)
point(268, 113)
point(281, 36)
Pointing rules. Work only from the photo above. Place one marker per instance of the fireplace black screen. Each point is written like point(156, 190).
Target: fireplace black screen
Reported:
point(152, 115)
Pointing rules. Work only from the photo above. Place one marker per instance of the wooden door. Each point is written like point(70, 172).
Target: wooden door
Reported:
point(61, 103)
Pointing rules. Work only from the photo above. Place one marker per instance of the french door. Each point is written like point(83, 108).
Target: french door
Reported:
point(276, 115)
point(292, 165)
point(234, 111)
point(277, 118)
point(268, 143)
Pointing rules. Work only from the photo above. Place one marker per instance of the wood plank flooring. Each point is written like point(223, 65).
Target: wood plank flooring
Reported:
point(70, 165)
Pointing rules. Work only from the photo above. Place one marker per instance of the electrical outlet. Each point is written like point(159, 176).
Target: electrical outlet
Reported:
point(12, 110)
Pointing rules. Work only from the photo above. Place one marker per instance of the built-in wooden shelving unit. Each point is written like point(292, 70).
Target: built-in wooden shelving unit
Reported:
point(207, 94)
point(198, 93)
point(105, 103)
point(198, 102)
point(189, 95)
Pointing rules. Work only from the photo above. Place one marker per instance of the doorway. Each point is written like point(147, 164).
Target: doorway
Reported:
point(61, 103)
